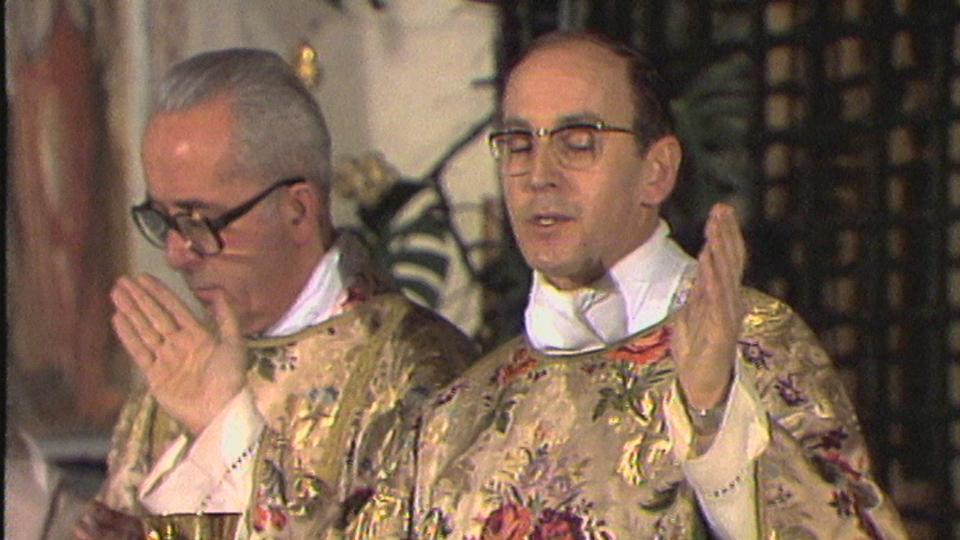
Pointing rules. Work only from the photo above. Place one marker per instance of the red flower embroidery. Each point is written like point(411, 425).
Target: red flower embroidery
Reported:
point(266, 516)
point(840, 464)
point(509, 522)
point(521, 364)
point(515, 522)
point(278, 519)
point(853, 500)
point(355, 295)
point(831, 440)
point(645, 350)
point(555, 525)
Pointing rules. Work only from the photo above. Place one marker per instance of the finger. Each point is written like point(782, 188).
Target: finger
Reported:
point(695, 297)
point(102, 512)
point(728, 265)
point(733, 252)
point(719, 307)
point(142, 355)
point(123, 301)
point(735, 233)
point(726, 245)
point(92, 526)
point(722, 278)
point(722, 302)
point(181, 314)
point(108, 519)
point(708, 279)
point(152, 308)
point(84, 528)
point(225, 318)
point(732, 235)
point(85, 532)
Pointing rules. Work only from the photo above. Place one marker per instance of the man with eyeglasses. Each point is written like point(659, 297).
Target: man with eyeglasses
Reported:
point(651, 395)
point(279, 418)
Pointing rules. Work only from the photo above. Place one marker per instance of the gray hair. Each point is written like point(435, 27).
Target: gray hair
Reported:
point(280, 131)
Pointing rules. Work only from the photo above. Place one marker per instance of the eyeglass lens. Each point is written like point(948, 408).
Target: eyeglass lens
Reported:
point(152, 224)
point(574, 147)
point(156, 227)
point(197, 232)
point(202, 234)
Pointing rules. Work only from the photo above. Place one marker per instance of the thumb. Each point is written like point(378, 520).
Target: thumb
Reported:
point(225, 318)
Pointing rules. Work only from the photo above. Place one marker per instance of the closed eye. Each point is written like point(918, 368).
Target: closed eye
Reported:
point(578, 138)
point(514, 142)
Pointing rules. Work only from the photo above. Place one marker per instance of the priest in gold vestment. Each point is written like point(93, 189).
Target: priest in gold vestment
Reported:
point(650, 395)
point(282, 417)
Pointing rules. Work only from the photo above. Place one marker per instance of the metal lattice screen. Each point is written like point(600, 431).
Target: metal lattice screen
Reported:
point(851, 196)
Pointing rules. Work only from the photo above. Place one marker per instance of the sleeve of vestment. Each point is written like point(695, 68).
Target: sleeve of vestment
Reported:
point(722, 477)
point(211, 473)
point(813, 477)
point(141, 434)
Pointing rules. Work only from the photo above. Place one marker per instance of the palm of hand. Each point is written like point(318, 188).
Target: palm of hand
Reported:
point(191, 371)
point(707, 327)
point(195, 374)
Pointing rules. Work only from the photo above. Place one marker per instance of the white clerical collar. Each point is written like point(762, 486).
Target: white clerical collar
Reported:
point(635, 294)
point(319, 298)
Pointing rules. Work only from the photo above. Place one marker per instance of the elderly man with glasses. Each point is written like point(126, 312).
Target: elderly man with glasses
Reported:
point(651, 395)
point(278, 417)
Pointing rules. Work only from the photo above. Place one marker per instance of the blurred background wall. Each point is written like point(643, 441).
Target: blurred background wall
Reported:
point(400, 86)
point(831, 125)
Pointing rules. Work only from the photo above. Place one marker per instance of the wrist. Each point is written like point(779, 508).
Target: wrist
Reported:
point(706, 424)
point(706, 420)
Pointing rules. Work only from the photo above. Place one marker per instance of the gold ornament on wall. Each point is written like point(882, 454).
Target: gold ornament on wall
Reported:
point(306, 62)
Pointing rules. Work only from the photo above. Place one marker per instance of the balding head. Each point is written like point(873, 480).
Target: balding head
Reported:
point(651, 117)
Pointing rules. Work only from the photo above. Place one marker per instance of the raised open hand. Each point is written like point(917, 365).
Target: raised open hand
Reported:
point(705, 343)
point(191, 371)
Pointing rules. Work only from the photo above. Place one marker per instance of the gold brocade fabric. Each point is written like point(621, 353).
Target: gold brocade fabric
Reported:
point(338, 399)
point(527, 446)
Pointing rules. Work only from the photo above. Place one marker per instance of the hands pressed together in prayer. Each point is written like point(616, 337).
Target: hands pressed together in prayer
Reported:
point(192, 372)
point(707, 327)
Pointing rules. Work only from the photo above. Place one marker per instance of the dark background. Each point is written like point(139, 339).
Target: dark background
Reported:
point(832, 125)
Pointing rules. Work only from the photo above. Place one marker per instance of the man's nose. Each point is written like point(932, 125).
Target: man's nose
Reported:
point(177, 251)
point(545, 171)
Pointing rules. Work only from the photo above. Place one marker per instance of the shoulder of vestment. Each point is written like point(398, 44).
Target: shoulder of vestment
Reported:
point(389, 342)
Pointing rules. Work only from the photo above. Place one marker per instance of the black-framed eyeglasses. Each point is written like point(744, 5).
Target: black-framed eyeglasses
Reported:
point(202, 234)
point(576, 146)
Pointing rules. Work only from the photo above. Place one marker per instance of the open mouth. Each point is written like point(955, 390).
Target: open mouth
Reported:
point(548, 220)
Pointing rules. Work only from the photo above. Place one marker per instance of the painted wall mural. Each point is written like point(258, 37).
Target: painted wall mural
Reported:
point(62, 249)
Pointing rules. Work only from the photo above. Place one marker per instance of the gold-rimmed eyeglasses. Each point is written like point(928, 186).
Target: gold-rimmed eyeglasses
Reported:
point(576, 146)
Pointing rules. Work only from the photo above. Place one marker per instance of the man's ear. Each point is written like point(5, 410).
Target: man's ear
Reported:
point(661, 168)
point(302, 210)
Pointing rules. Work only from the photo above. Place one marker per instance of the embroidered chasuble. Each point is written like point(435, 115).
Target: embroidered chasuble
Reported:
point(338, 400)
point(530, 446)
